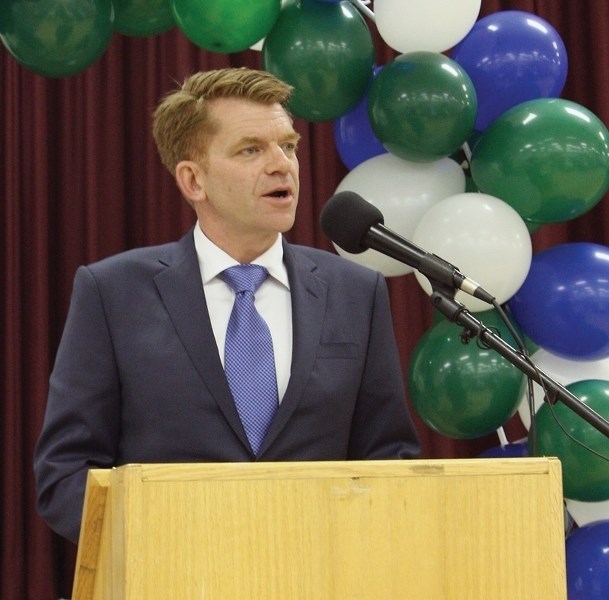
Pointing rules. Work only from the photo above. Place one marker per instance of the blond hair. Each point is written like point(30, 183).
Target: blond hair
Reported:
point(182, 124)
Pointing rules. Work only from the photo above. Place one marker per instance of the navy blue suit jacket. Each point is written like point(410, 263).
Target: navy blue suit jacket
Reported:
point(138, 378)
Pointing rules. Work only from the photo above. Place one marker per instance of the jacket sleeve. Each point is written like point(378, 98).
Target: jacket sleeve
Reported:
point(82, 420)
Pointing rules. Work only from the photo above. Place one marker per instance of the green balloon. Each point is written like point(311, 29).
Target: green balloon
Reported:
point(532, 227)
point(548, 158)
point(142, 17)
point(422, 106)
point(463, 391)
point(56, 39)
point(225, 26)
point(325, 50)
point(585, 475)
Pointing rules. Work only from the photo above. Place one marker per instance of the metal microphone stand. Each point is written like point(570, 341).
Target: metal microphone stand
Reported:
point(443, 299)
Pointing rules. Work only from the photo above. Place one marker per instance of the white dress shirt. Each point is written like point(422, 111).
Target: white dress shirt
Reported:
point(273, 300)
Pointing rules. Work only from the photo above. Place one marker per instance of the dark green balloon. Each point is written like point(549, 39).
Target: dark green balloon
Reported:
point(325, 50)
point(532, 227)
point(142, 17)
point(585, 475)
point(422, 106)
point(548, 158)
point(56, 39)
point(225, 26)
point(461, 390)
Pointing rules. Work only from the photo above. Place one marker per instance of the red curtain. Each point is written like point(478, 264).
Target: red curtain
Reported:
point(80, 180)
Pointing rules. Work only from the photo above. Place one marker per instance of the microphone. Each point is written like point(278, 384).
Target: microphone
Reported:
point(356, 225)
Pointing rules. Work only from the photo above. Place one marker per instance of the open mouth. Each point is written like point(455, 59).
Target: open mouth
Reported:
point(279, 194)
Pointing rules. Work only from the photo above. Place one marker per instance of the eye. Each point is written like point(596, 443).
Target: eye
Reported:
point(250, 150)
point(290, 148)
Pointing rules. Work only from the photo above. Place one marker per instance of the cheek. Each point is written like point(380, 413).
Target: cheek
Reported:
point(226, 184)
point(296, 174)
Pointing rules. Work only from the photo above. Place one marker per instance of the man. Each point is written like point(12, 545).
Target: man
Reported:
point(139, 375)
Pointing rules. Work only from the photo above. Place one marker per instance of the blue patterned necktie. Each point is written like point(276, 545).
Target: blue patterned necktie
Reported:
point(249, 362)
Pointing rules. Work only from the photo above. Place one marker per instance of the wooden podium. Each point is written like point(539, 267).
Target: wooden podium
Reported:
point(479, 529)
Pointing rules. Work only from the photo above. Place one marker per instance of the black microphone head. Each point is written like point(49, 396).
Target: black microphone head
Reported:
point(346, 218)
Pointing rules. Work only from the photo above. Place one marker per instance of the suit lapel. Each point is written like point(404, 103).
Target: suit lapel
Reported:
point(309, 294)
point(181, 290)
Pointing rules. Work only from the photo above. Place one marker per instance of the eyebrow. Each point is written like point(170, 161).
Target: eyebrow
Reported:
point(292, 137)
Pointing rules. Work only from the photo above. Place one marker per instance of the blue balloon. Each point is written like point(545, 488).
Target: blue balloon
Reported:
point(587, 557)
point(563, 304)
point(511, 56)
point(355, 140)
point(518, 450)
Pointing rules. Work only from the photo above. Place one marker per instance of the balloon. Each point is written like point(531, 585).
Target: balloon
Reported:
point(422, 106)
point(354, 138)
point(434, 25)
point(563, 433)
point(533, 227)
point(511, 56)
point(463, 155)
point(547, 158)
point(260, 43)
point(403, 191)
point(563, 304)
point(563, 371)
point(225, 27)
point(519, 450)
point(569, 523)
point(56, 39)
point(142, 17)
point(325, 50)
point(463, 390)
point(587, 512)
point(475, 232)
point(587, 559)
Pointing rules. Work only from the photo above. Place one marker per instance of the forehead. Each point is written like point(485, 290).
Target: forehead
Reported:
point(237, 117)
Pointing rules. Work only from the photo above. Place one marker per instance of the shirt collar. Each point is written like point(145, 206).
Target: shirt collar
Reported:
point(213, 260)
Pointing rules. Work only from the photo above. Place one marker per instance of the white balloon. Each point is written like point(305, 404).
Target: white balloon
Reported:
point(432, 25)
point(562, 370)
point(403, 191)
point(587, 512)
point(484, 237)
point(258, 45)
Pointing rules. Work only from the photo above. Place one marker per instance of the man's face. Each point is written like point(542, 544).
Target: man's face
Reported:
point(249, 178)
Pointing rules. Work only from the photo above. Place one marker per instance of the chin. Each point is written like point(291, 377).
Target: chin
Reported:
point(284, 221)
point(285, 226)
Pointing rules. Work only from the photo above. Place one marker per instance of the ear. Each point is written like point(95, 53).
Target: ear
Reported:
point(189, 178)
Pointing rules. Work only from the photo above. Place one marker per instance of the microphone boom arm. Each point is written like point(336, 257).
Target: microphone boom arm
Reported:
point(443, 299)
point(430, 265)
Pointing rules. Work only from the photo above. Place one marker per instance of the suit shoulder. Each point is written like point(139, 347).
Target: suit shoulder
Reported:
point(145, 258)
point(325, 260)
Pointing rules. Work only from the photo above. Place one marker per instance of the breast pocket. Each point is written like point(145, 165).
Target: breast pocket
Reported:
point(338, 350)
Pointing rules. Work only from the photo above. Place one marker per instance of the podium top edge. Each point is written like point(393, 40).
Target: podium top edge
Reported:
point(333, 469)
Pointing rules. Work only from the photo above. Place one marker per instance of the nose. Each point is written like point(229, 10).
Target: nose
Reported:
point(277, 159)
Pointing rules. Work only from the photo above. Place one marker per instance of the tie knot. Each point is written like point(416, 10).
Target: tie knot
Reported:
point(244, 278)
